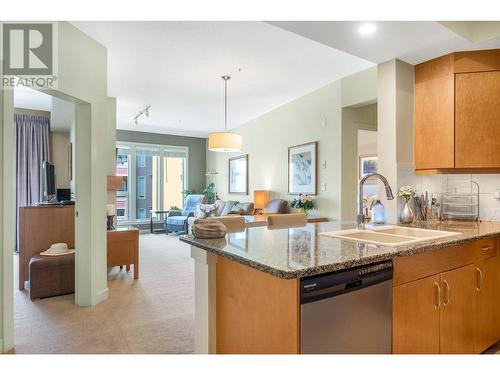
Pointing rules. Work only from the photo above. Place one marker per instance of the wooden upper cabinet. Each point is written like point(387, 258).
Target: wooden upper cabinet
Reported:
point(457, 121)
point(477, 120)
point(434, 114)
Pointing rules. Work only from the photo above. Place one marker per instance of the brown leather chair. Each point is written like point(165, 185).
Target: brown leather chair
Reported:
point(232, 223)
point(286, 221)
point(277, 206)
point(52, 275)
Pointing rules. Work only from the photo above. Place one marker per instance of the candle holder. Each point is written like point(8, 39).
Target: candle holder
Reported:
point(111, 222)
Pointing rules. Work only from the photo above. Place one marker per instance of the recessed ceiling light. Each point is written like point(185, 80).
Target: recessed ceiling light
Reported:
point(367, 29)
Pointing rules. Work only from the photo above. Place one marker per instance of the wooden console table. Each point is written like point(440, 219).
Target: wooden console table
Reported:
point(123, 248)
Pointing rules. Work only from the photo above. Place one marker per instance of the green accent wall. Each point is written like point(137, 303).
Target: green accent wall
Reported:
point(196, 150)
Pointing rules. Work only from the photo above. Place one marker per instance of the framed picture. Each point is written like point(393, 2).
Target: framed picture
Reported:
point(238, 175)
point(367, 165)
point(302, 169)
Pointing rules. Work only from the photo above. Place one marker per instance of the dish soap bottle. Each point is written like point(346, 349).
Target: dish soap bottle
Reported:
point(378, 213)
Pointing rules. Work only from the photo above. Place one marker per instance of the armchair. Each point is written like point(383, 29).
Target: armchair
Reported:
point(176, 221)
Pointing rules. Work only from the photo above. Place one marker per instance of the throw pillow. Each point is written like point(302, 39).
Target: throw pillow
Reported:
point(205, 210)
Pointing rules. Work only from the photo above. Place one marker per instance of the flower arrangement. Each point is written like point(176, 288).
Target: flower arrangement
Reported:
point(304, 203)
point(406, 192)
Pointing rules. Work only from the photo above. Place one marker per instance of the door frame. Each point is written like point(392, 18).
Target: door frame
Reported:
point(84, 259)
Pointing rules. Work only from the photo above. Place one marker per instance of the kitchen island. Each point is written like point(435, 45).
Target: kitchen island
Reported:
point(247, 285)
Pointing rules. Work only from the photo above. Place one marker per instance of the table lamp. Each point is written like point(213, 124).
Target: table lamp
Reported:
point(260, 200)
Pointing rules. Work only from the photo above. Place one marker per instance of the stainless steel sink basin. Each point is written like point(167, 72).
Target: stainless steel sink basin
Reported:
point(390, 235)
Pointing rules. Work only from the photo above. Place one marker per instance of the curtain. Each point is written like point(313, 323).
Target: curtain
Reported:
point(32, 148)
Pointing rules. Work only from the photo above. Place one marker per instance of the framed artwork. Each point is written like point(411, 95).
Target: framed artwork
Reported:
point(302, 169)
point(367, 165)
point(238, 175)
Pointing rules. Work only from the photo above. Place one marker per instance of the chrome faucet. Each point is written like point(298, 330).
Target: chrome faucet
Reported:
point(388, 193)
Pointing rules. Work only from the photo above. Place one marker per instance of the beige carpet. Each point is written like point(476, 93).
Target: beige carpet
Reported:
point(154, 314)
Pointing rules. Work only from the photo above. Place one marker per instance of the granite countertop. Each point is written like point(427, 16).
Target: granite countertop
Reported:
point(301, 252)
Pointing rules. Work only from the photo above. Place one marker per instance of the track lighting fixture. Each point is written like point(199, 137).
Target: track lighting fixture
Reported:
point(145, 111)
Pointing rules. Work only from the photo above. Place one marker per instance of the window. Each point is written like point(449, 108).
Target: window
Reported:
point(141, 161)
point(122, 169)
point(141, 187)
point(141, 213)
point(154, 177)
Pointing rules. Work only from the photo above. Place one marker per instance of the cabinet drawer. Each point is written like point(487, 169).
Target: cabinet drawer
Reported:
point(484, 249)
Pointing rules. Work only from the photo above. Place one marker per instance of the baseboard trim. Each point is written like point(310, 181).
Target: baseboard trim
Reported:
point(101, 296)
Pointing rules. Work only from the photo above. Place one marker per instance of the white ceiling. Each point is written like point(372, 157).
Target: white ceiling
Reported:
point(410, 41)
point(24, 97)
point(176, 67)
point(62, 113)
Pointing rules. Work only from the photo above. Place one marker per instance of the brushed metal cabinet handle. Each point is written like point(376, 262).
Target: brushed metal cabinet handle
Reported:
point(447, 301)
point(480, 284)
point(438, 295)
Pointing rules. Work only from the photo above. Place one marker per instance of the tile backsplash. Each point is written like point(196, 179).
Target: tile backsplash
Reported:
point(489, 206)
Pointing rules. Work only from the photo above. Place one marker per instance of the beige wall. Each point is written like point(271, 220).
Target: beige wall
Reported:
point(59, 149)
point(83, 81)
point(395, 129)
point(313, 117)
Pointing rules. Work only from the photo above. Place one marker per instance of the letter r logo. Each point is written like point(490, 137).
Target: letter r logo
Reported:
point(27, 49)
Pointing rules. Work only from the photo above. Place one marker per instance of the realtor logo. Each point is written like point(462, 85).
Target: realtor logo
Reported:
point(27, 49)
point(28, 53)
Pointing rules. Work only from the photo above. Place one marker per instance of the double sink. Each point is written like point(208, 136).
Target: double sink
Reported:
point(390, 235)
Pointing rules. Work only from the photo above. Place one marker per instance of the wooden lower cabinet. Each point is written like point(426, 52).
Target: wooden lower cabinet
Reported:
point(457, 311)
point(452, 311)
point(487, 310)
point(435, 314)
point(256, 313)
point(416, 317)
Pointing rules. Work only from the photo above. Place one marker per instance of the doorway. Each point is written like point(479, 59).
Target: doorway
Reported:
point(359, 156)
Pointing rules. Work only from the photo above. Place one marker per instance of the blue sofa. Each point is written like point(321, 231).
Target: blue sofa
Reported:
point(176, 221)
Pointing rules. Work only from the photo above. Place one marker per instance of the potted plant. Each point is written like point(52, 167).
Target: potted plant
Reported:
point(303, 203)
point(210, 193)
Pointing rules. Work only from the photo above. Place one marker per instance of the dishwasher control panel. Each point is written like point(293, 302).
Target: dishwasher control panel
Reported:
point(340, 282)
point(366, 271)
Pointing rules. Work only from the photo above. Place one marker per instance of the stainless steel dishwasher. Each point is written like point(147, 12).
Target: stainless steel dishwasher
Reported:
point(347, 311)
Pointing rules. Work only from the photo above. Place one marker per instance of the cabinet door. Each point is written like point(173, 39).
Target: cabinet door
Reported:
point(477, 120)
point(415, 320)
point(486, 289)
point(434, 122)
point(457, 312)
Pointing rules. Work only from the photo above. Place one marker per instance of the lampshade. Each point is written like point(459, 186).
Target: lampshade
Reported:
point(224, 142)
point(260, 198)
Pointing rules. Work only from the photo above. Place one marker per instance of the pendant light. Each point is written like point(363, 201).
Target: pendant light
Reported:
point(224, 141)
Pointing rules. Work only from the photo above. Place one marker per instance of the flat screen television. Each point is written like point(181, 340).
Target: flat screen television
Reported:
point(48, 181)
